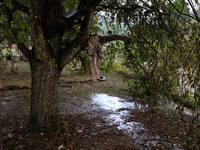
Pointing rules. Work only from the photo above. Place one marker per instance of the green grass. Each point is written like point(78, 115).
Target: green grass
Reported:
point(22, 75)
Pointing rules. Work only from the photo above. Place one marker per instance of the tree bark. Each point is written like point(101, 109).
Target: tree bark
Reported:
point(45, 63)
point(44, 96)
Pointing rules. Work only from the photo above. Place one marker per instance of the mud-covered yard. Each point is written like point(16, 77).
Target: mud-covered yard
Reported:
point(100, 115)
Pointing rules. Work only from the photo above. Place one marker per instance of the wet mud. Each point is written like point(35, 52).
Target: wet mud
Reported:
point(104, 116)
point(125, 118)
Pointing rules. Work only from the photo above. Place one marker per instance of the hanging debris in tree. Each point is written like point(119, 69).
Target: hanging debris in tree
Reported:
point(96, 54)
point(72, 18)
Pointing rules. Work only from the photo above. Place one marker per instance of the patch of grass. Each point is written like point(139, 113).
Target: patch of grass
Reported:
point(114, 84)
point(22, 76)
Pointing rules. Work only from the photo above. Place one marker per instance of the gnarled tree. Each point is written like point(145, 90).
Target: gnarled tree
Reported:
point(49, 52)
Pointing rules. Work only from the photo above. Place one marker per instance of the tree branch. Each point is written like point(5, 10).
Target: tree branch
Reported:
point(126, 47)
point(71, 50)
point(108, 38)
point(23, 48)
point(181, 12)
point(9, 14)
point(20, 7)
point(195, 12)
point(1, 38)
point(82, 7)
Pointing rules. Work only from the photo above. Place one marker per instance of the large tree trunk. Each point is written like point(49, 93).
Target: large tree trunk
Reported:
point(45, 67)
point(47, 58)
point(44, 96)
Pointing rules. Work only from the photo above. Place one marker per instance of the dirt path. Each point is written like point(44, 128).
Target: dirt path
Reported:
point(103, 115)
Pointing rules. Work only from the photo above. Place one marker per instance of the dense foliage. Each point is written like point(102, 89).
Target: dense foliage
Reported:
point(163, 54)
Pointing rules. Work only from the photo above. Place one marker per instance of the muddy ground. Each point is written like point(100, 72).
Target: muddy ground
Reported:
point(100, 115)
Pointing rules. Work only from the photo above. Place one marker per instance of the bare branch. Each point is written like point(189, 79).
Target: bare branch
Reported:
point(108, 38)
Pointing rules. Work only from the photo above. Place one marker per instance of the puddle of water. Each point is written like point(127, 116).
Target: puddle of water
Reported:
point(129, 128)
point(120, 112)
point(97, 102)
point(118, 118)
point(114, 103)
point(114, 111)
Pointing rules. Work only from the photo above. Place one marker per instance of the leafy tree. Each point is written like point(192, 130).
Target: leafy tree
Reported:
point(53, 46)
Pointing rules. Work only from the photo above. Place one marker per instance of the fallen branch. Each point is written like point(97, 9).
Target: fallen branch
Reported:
point(99, 79)
point(79, 81)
